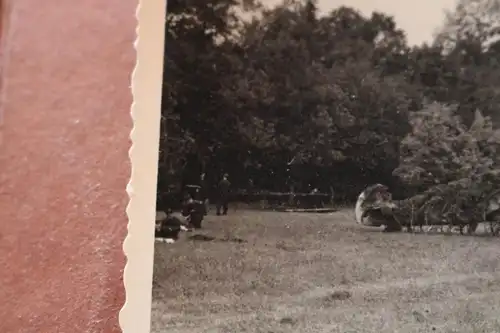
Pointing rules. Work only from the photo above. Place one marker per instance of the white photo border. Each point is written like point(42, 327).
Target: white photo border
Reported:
point(147, 77)
point(135, 315)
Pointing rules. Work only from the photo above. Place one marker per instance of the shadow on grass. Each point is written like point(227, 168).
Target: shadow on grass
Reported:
point(339, 295)
point(206, 238)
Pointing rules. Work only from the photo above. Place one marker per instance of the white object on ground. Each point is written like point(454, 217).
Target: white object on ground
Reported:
point(358, 210)
point(165, 240)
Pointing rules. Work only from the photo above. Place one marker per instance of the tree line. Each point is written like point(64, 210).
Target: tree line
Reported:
point(286, 95)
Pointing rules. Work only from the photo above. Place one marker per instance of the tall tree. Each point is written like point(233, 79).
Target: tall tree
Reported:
point(198, 38)
point(441, 148)
point(468, 38)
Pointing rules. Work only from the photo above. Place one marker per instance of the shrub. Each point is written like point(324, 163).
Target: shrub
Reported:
point(441, 149)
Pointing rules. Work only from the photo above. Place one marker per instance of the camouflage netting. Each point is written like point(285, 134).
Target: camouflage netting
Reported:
point(462, 203)
point(457, 164)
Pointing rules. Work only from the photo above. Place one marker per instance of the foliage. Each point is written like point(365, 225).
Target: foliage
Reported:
point(441, 149)
point(459, 167)
point(463, 203)
point(247, 89)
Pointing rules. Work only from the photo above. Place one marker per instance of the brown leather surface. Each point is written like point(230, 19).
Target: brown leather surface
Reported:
point(64, 165)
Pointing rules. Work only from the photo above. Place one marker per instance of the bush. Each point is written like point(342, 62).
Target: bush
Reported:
point(440, 149)
point(456, 168)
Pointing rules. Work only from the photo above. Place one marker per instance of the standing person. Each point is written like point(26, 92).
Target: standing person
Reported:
point(250, 191)
point(204, 192)
point(223, 189)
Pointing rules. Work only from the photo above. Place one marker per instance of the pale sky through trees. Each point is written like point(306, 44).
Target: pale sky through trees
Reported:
point(419, 19)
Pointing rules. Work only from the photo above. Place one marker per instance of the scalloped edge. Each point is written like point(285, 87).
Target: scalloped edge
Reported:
point(138, 246)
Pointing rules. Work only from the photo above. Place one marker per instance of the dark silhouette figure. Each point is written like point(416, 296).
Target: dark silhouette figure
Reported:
point(195, 210)
point(168, 228)
point(203, 194)
point(223, 189)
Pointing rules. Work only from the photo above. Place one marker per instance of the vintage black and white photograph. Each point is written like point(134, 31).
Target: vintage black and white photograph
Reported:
point(329, 166)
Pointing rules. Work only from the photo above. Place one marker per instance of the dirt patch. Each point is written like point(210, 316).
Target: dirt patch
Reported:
point(201, 238)
point(339, 295)
point(208, 238)
point(288, 321)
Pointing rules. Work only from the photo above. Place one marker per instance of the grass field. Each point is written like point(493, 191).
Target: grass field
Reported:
point(289, 272)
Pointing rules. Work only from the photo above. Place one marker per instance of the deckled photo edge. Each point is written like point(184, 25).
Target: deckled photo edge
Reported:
point(138, 246)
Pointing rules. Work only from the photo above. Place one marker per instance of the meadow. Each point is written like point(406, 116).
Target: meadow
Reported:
point(261, 272)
